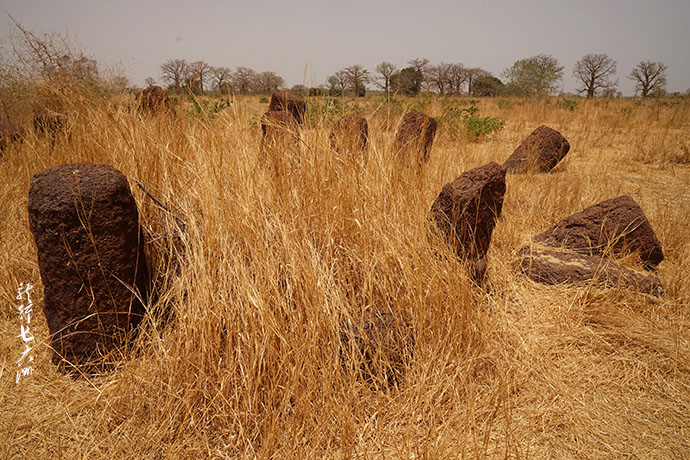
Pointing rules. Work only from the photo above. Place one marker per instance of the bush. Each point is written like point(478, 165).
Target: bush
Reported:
point(263, 100)
point(478, 127)
point(475, 126)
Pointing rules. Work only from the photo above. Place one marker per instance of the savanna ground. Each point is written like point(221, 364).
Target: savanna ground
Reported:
point(266, 267)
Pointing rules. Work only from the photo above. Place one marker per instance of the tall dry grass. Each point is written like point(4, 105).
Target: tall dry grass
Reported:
point(257, 270)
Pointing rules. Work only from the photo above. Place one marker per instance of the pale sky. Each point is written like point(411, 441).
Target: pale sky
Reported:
point(306, 40)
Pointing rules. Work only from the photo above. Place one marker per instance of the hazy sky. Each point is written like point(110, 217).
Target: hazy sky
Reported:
point(306, 40)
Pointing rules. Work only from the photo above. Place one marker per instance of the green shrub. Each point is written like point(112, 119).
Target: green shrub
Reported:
point(263, 100)
point(475, 127)
point(478, 127)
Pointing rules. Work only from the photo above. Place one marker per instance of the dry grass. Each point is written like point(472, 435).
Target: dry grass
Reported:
point(268, 265)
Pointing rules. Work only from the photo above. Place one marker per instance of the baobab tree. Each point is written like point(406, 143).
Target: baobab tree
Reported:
point(385, 70)
point(458, 77)
point(357, 78)
point(648, 77)
point(199, 73)
point(594, 72)
point(242, 79)
point(220, 77)
point(441, 77)
point(174, 72)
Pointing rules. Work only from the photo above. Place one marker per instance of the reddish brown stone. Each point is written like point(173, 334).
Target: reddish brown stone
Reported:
point(90, 254)
point(415, 137)
point(551, 266)
point(9, 133)
point(381, 343)
point(283, 101)
point(154, 100)
point(539, 152)
point(618, 224)
point(279, 128)
point(349, 136)
point(466, 211)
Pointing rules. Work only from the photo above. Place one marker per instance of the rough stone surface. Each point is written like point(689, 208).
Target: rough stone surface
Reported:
point(283, 101)
point(381, 342)
point(552, 266)
point(415, 137)
point(539, 152)
point(154, 100)
point(90, 254)
point(280, 142)
point(49, 123)
point(466, 210)
point(618, 224)
point(349, 136)
point(9, 132)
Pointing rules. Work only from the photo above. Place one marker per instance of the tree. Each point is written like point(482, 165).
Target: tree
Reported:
point(421, 65)
point(198, 73)
point(220, 77)
point(648, 77)
point(594, 71)
point(441, 77)
point(487, 86)
point(357, 79)
point(458, 77)
point(334, 86)
point(242, 79)
point(472, 74)
point(534, 76)
point(408, 81)
point(385, 70)
point(268, 82)
point(299, 90)
point(174, 72)
point(149, 82)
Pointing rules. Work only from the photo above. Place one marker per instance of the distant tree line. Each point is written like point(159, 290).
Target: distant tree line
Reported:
point(539, 75)
point(198, 77)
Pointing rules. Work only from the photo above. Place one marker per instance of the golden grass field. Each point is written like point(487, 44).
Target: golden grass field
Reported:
point(268, 265)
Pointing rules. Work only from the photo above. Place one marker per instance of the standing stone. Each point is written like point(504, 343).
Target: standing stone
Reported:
point(349, 136)
point(9, 133)
point(381, 342)
point(618, 223)
point(551, 266)
point(153, 100)
point(90, 254)
point(280, 130)
point(466, 210)
point(539, 152)
point(415, 137)
point(283, 101)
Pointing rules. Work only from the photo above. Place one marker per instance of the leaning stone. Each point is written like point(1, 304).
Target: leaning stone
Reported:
point(466, 210)
point(283, 101)
point(552, 266)
point(90, 254)
point(380, 345)
point(539, 152)
point(415, 137)
point(618, 224)
point(349, 136)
